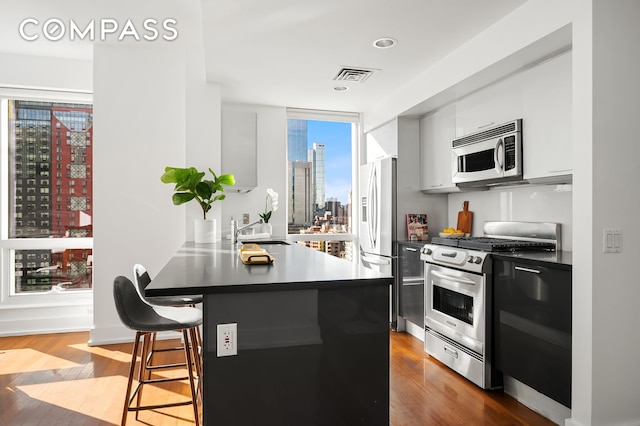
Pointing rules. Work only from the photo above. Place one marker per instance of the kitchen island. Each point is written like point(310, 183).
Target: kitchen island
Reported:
point(312, 335)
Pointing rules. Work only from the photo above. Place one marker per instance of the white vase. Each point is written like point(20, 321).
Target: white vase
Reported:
point(204, 231)
point(266, 229)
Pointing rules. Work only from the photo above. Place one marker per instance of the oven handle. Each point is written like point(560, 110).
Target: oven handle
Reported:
point(450, 351)
point(456, 279)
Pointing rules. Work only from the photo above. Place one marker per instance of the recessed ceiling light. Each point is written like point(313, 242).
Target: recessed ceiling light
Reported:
point(340, 88)
point(385, 42)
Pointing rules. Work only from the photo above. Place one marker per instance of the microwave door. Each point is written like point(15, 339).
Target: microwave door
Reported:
point(478, 161)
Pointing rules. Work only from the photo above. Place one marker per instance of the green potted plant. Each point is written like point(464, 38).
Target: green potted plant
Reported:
point(191, 185)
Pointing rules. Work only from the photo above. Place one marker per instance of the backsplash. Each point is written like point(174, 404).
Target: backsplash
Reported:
point(526, 203)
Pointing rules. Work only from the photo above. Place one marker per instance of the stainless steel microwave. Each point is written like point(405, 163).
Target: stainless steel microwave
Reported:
point(490, 156)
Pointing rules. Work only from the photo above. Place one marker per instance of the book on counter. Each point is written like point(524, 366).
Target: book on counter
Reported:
point(417, 229)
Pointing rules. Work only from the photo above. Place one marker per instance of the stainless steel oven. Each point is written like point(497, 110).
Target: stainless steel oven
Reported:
point(459, 294)
point(456, 314)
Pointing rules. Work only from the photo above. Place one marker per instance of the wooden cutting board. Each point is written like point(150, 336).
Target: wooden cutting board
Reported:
point(465, 217)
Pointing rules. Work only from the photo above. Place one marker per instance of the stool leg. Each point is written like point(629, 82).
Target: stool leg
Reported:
point(134, 354)
point(197, 358)
point(187, 352)
point(143, 373)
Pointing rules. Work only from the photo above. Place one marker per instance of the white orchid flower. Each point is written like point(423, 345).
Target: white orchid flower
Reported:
point(271, 205)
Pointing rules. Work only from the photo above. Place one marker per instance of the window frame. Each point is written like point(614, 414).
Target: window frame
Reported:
point(9, 298)
point(356, 135)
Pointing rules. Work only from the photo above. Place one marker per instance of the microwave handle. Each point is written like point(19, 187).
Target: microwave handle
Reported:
point(499, 154)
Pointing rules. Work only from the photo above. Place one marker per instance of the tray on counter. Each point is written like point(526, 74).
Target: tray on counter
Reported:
point(253, 254)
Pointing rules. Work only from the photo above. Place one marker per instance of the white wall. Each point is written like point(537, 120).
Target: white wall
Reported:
point(607, 65)
point(24, 71)
point(410, 198)
point(139, 128)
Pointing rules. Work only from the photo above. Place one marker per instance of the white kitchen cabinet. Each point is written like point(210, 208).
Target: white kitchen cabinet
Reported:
point(547, 133)
point(382, 142)
point(239, 148)
point(436, 133)
point(494, 105)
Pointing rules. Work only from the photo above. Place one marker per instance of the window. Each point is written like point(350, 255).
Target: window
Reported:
point(58, 252)
point(320, 162)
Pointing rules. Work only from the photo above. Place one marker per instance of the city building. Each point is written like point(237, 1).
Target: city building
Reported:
point(51, 193)
point(296, 140)
point(299, 176)
point(316, 155)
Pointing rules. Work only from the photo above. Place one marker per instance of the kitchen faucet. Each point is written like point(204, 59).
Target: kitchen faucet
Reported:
point(235, 230)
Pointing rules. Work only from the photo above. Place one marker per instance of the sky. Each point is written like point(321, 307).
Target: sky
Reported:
point(337, 140)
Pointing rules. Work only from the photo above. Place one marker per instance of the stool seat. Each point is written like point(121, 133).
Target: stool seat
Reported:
point(142, 279)
point(146, 320)
point(140, 316)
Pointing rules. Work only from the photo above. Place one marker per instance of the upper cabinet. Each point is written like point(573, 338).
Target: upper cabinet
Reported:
point(436, 133)
point(239, 155)
point(547, 123)
point(494, 105)
point(382, 142)
point(539, 95)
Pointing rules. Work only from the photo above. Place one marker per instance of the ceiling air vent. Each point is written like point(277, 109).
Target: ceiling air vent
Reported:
point(358, 75)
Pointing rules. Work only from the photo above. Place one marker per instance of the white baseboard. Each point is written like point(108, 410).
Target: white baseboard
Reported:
point(39, 320)
point(536, 401)
point(415, 330)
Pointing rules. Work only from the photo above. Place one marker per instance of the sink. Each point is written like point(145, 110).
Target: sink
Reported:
point(267, 242)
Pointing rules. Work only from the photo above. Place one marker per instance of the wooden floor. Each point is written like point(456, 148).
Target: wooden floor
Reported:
point(57, 379)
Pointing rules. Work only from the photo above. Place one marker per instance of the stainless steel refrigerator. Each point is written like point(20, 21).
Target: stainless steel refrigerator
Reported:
point(378, 218)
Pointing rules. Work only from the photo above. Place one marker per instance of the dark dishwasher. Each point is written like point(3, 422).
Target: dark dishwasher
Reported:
point(532, 325)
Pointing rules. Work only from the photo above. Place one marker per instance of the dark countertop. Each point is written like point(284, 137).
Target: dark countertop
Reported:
point(562, 259)
point(217, 268)
point(413, 243)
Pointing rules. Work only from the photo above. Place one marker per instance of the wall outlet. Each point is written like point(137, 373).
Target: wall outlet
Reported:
point(245, 218)
point(227, 337)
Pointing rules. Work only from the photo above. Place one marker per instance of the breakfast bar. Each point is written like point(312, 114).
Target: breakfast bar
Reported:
point(312, 339)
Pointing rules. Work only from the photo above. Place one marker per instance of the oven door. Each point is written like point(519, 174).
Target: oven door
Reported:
point(455, 304)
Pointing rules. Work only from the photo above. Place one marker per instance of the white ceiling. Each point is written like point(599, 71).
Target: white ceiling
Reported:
point(287, 52)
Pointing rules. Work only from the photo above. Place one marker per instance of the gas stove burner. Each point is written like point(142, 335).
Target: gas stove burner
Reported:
point(489, 244)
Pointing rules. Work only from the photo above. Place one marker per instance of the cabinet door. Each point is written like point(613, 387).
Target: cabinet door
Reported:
point(382, 142)
point(547, 134)
point(532, 326)
point(494, 105)
point(436, 133)
point(239, 156)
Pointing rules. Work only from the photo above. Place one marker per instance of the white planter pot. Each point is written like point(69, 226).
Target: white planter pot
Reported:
point(204, 231)
point(266, 229)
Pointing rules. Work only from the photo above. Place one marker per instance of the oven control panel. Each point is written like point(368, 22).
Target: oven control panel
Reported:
point(467, 260)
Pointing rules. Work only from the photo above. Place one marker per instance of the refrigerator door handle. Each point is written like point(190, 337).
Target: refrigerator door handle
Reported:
point(376, 260)
point(373, 207)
